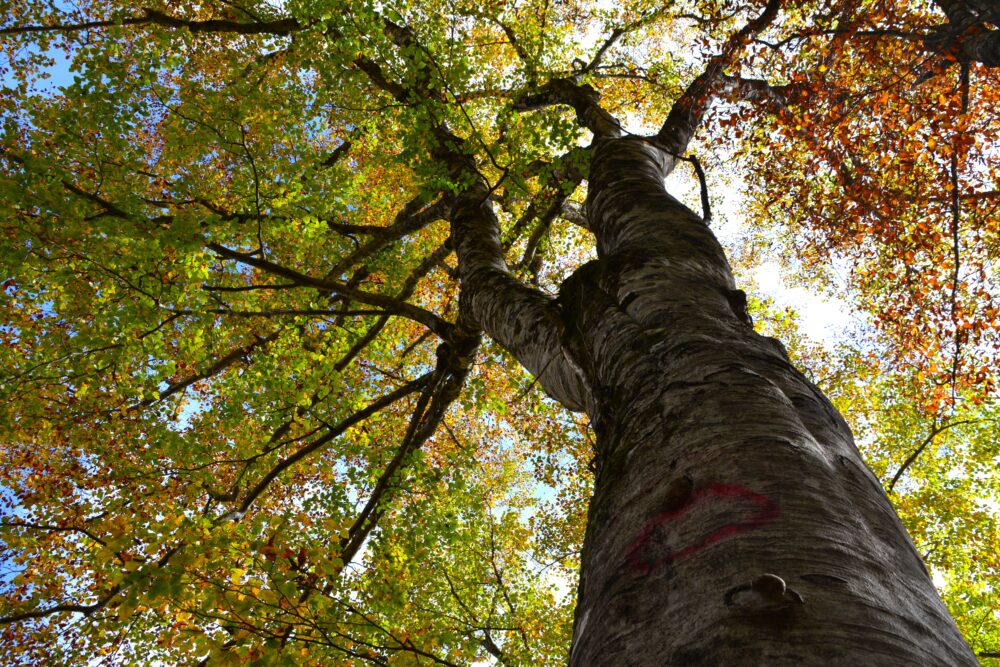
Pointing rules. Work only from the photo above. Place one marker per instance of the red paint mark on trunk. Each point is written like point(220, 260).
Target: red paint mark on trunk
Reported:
point(765, 511)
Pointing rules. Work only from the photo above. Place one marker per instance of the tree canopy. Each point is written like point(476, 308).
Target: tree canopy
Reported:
point(245, 418)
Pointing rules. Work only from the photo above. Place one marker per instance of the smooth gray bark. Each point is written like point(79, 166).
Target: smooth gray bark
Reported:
point(524, 321)
point(733, 520)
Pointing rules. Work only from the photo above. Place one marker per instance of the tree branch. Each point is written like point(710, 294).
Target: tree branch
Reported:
point(564, 178)
point(453, 364)
point(409, 286)
point(53, 529)
point(522, 320)
point(582, 97)
point(333, 433)
point(935, 431)
point(414, 216)
point(390, 304)
point(219, 365)
point(85, 609)
point(687, 112)
point(152, 16)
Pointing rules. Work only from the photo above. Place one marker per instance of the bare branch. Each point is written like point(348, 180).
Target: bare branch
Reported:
point(706, 208)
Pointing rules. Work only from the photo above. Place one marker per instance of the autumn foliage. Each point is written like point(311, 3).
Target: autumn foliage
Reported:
point(242, 418)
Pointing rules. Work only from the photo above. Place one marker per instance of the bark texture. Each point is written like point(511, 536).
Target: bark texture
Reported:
point(969, 30)
point(524, 321)
point(733, 520)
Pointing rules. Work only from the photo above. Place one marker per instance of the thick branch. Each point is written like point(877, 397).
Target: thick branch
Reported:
point(524, 321)
point(970, 34)
point(584, 99)
point(338, 153)
point(575, 213)
point(687, 112)
point(983, 48)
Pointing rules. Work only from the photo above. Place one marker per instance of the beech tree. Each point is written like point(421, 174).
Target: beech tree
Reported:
point(352, 332)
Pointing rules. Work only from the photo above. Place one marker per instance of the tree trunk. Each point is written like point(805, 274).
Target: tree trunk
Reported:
point(733, 520)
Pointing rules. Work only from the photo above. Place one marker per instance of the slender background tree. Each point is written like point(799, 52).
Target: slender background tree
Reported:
point(344, 333)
